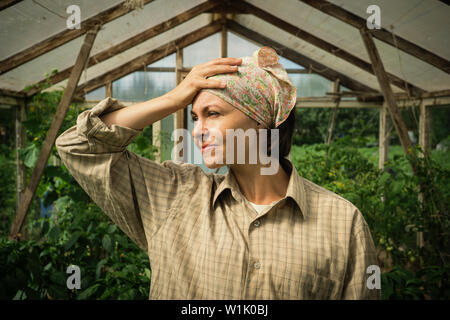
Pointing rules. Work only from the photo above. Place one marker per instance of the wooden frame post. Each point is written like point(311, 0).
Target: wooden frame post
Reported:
point(20, 143)
point(394, 112)
point(383, 137)
point(179, 116)
point(223, 37)
point(424, 128)
point(108, 90)
point(335, 88)
point(156, 139)
point(424, 142)
point(52, 133)
point(388, 95)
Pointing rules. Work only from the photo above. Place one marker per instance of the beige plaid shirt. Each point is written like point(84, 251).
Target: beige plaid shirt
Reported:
point(203, 237)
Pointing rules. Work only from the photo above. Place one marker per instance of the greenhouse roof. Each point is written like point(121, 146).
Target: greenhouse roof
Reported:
point(322, 36)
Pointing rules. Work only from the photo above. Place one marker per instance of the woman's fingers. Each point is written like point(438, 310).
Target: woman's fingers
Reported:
point(228, 61)
point(215, 69)
point(219, 65)
point(196, 80)
point(211, 84)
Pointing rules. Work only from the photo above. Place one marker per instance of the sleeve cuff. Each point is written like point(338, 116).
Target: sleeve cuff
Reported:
point(93, 129)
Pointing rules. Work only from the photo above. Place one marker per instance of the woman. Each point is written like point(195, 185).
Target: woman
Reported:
point(243, 235)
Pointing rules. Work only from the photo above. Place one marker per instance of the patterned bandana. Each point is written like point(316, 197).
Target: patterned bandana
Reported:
point(261, 88)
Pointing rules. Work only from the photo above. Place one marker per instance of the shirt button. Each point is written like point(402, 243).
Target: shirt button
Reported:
point(257, 223)
point(257, 265)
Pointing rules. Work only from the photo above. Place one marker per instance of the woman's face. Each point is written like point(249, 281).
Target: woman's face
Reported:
point(212, 116)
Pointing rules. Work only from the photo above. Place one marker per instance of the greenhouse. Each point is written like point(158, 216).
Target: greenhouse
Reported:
point(97, 204)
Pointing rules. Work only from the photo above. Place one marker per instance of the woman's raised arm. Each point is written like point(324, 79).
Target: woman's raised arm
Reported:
point(140, 115)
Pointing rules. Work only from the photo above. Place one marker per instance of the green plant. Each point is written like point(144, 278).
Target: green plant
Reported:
point(389, 200)
point(78, 232)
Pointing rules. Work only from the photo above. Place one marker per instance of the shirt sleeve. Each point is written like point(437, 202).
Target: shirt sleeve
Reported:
point(135, 192)
point(362, 255)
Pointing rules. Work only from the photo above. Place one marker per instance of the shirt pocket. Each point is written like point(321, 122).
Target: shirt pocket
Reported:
point(310, 286)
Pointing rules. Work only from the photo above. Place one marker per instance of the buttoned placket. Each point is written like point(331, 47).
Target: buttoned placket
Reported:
point(254, 264)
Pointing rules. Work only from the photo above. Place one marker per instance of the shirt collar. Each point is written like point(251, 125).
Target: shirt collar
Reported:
point(295, 190)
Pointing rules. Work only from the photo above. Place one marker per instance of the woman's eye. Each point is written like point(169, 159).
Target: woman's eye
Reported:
point(212, 113)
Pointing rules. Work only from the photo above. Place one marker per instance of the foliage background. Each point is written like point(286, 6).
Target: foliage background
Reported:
point(113, 267)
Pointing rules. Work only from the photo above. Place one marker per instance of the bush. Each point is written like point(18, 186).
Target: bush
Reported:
point(78, 233)
point(112, 267)
point(389, 201)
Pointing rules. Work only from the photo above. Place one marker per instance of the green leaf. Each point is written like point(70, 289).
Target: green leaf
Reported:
point(108, 293)
point(88, 292)
point(45, 227)
point(384, 177)
point(72, 241)
point(387, 288)
point(98, 270)
point(107, 243)
point(31, 156)
point(54, 233)
point(48, 266)
point(112, 228)
point(20, 295)
point(58, 291)
point(58, 278)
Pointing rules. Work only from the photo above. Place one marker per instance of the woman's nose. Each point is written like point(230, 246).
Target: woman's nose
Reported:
point(200, 131)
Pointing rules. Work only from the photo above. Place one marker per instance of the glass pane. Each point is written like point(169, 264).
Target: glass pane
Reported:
point(347, 98)
point(239, 47)
point(97, 94)
point(169, 62)
point(141, 86)
point(309, 85)
point(202, 51)
point(288, 64)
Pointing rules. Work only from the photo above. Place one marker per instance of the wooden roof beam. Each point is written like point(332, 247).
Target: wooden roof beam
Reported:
point(150, 57)
point(4, 4)
point(130, 42)
point(388, 95)
point(326, 46)
point(381, 34)
point(12, 93)
point(298, 58)
point(63, 37)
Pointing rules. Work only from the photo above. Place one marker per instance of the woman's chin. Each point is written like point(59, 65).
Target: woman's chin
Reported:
point(211, 163)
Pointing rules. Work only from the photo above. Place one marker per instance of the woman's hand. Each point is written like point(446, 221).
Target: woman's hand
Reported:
point(184, 93)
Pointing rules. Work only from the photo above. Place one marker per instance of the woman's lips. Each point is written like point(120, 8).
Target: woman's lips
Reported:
point(209, 147)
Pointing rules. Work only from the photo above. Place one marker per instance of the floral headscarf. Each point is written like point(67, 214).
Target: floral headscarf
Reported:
point(261, 88)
